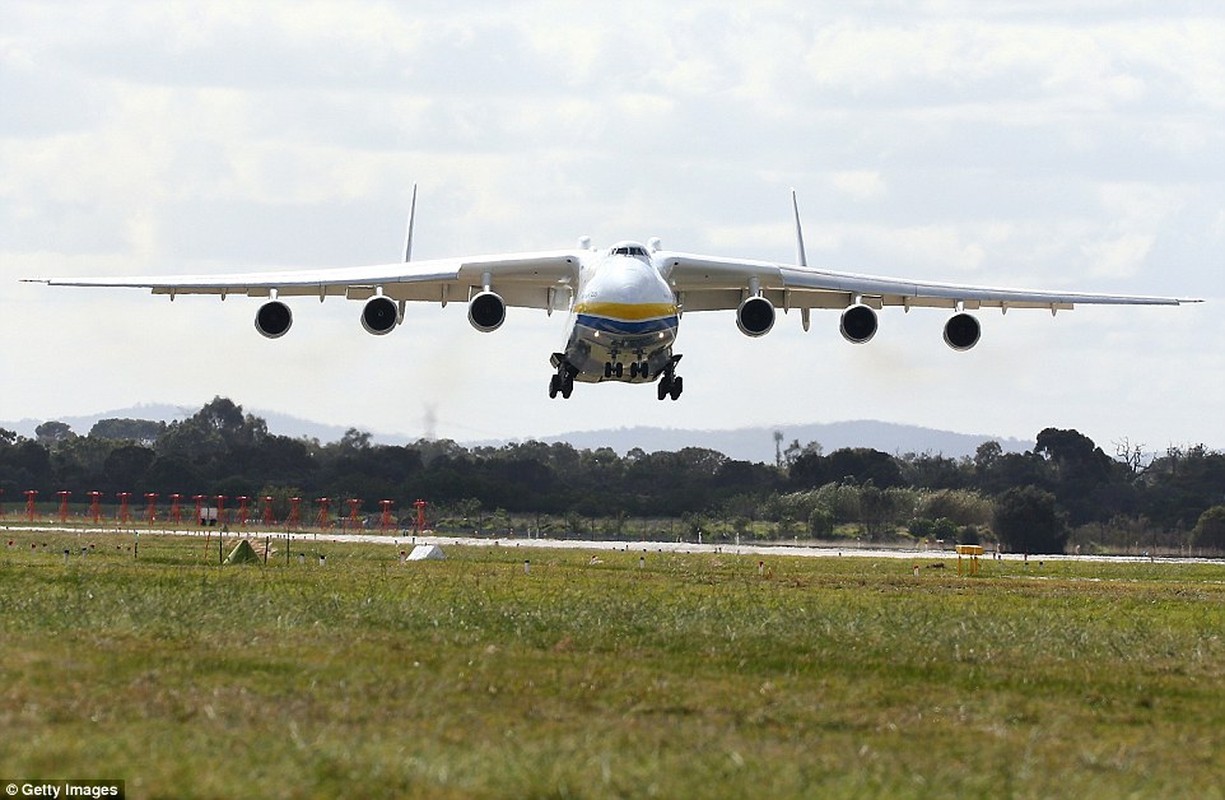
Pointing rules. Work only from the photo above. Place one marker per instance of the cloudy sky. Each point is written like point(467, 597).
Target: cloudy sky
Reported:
point(1006, 143)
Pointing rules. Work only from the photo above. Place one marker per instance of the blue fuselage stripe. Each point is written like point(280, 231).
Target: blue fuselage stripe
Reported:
point(621, 327)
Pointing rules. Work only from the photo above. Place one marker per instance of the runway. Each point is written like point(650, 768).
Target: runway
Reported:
point(407, 540)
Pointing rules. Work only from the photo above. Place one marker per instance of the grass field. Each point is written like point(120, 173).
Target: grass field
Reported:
point(688, 676)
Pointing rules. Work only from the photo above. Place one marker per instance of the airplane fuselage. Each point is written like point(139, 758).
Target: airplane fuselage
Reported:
point(624, 319)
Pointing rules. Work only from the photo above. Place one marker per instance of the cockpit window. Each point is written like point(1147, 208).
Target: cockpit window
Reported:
point(629, 250)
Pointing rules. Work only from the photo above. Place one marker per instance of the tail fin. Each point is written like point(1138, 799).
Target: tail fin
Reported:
point(408, 237)
point(799, 234)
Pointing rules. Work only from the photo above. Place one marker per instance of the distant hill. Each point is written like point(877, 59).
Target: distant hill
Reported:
point(278, 423)
point(745, 444)
point(757, 444)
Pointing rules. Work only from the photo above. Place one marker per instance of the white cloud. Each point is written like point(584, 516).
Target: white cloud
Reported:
point(860, 185)
point(1025, 144)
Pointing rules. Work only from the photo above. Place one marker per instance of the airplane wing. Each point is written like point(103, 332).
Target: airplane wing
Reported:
point(529, 280)
point(705, 283)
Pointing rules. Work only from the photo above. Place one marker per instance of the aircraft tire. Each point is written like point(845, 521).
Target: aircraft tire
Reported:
point(678, 386)
point(553, 386)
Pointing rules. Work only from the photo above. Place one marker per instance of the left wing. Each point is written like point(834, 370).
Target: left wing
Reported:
point(705, 283)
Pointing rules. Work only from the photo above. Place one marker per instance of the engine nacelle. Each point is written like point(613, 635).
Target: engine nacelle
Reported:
point(487, 311)
point(858, 324)
point(380, 315)
point(273, 319)
point(755, 316)
point(962, 332)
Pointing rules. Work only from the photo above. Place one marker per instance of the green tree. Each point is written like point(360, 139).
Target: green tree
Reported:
point(1026, 521)
point(52, 432)
point(141, 431)
point(1210, 529)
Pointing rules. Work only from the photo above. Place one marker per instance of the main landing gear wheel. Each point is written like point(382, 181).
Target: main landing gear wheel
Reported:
point(670, 386)
point(562, 383)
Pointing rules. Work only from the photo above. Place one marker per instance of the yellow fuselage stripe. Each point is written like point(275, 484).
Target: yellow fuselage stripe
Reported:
point(630, 312)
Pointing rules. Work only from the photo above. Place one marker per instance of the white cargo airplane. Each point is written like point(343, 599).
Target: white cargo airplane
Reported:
point(625, 302)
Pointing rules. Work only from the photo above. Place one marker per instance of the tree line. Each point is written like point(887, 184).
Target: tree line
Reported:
point(1065, 491)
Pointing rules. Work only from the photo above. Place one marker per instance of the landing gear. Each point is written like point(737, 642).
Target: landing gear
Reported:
point(563, 381)
point(670, 384)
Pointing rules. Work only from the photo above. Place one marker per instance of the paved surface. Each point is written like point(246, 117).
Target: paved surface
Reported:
point(407, 541)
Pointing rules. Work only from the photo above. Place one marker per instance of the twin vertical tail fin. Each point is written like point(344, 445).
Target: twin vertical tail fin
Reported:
point(800, 257)
point(408, 236)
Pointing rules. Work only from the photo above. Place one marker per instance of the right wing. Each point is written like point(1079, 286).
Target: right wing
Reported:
point(528, 280)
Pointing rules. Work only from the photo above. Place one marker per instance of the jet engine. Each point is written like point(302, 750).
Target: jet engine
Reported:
point(487, 311)
point(858, 324)
point(379, 315)
point(962, 332)
point(755, 316)
point(273, 319)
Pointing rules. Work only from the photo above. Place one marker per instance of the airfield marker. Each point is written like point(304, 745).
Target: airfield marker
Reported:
point(150, 508)
point(527, 567)
point(125, 512)
point(176, 511)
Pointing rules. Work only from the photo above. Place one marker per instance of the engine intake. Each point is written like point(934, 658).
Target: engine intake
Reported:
point(487, 311)
point(755, 316)
point(858, 324)
point(962, 332)
point(273, 319)
point(379, 315)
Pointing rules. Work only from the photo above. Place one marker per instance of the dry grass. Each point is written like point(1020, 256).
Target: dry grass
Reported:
point(692, 677)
